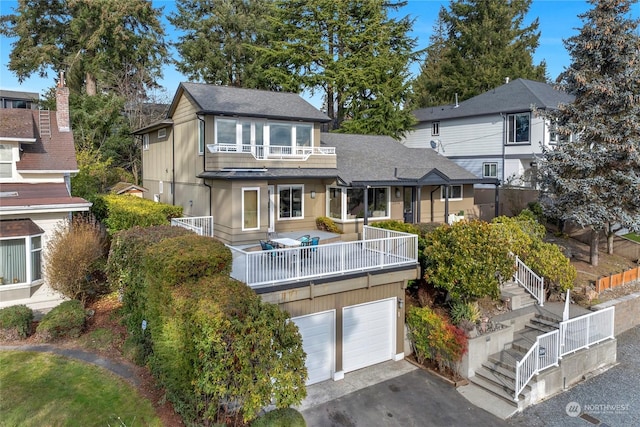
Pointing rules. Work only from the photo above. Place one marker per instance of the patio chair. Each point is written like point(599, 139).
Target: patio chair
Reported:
point(315, 241)
point(304, 240)
point(267, 246)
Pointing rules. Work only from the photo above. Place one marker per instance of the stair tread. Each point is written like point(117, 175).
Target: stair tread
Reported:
point(494, 389)
point(499, 369)
point(498, 375)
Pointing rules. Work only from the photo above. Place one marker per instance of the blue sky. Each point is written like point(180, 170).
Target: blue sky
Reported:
point(558, 20)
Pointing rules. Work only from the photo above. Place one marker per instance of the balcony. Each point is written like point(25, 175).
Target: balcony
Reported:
point(379, 249)
point(274, 152)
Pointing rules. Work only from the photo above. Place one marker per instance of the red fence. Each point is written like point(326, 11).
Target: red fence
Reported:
point(619, 279)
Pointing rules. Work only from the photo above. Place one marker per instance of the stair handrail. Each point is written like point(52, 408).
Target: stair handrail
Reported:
point(529, 280)
point(544, 353)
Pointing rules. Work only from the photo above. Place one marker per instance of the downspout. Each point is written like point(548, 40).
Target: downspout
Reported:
point(505, 130)
point(173, 167)
point(204, 158)
point(446, 203)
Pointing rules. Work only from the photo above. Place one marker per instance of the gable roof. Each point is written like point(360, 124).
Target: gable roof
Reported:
point(225, 100)
point(39, 153)
point(518, 95)
point(381, 160)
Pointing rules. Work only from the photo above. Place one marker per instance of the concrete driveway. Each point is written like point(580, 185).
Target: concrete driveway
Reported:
point(413, 398)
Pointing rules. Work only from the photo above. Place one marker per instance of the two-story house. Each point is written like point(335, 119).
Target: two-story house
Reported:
point(497, 134)
point(258, 163)
point(37, 159)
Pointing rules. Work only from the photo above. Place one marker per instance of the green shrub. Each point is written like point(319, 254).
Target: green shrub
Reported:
point(327, 224)
point(285, 417)
point(434, 338)
point(76, 256)
point(67, 320)
point(125, 275)
point(15, 322)
point(122, 212)
point(465, 311)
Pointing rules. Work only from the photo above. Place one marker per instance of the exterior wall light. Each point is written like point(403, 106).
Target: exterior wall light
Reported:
point(313, 194)
point(397, 193)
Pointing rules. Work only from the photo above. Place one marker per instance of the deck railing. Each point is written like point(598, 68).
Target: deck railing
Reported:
point(264, 268)
point(572, 335)
point(201, 225)
point(261, 152)
point(533, 283)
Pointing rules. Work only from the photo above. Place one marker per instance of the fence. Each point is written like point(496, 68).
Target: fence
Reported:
point(573, 335)
point(201, 225)
point(533, 283)
point(262, 268)
point(619, 279)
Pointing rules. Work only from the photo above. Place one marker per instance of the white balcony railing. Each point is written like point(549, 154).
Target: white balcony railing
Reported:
point(276, 152)
point(264, 268)
point(201, 225)
point(529, 280)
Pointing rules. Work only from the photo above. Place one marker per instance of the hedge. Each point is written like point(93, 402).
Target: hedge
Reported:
point(121, 212)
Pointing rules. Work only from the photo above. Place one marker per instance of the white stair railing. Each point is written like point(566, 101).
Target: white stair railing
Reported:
point(529, 280)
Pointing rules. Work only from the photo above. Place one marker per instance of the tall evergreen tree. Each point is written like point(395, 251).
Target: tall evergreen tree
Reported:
point(106, 44)
point(353, 54)
point(220, 41)
point(594, 178)
point(486, 42)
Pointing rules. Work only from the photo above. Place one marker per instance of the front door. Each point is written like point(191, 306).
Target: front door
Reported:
point(271, 208)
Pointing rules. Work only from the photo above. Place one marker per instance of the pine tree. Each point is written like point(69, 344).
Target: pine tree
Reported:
point(486, 42)
point(352, 53)
point(100, 44)
point(221, 41)
point(593, 179)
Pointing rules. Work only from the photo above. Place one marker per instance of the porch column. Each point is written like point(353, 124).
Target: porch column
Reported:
point(366, 205)
point(446, 203)
point(497, 201)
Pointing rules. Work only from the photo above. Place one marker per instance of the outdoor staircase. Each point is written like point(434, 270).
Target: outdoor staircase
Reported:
point(497, 374)
point(516, 296)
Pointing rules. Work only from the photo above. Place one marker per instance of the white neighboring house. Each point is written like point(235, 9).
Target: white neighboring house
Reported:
point(496, 134)
point(37, 159)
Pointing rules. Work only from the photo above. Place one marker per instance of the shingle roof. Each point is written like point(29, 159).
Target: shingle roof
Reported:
point(280, 173)
point(41, 195)
point(366, 159)
point(212, 99)
point(518, 95)
point(54, 153)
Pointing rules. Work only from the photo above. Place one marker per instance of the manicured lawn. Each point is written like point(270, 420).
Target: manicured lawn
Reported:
point(633, 236)
point(38, 389)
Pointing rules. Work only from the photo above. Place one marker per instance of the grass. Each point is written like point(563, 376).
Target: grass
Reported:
point(633, 236)
point(46, 389)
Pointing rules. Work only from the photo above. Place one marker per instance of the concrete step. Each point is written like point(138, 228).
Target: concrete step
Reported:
point(543, 326)
point(522, 344)
point(496, 376)
point(508, 373)
point(502, 392)
point(506, 358)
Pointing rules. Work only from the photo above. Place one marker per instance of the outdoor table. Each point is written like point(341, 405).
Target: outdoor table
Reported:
point(287, 241)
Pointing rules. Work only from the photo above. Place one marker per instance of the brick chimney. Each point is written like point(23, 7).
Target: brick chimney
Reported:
point(62, 105)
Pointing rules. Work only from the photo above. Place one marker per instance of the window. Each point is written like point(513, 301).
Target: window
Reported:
point(455, 192)
point(303, 135)
point(435, 128)
point(201, 135)
point(162, 133)
point(335, 202)
point(280, 134)
point(378, 199)
point(6, 161)
point(225, 131)
point(145, 141)
point(518, 128)
point(490, 170)
point(556, 137)
point(20, 260)
point(250, 208)
point(291, 205)
point(248, 132)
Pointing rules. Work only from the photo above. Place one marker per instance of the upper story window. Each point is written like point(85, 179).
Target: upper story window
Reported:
point(6, 161)
point(490, 170)
point(435, 128)
point(162, 133)
point(455, 192)
point(291, 205)
point(556, 137)
point(201, 128)
point(518, 128)
point(145, 141)
point(248, 132)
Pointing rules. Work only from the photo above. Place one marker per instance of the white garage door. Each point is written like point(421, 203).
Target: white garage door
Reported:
point(318, 341)
point(368, 334)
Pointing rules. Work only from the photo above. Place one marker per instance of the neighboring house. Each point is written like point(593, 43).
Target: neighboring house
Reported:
point(37, 158)
point(18, 99)
point(497, 134)
point(258, 162)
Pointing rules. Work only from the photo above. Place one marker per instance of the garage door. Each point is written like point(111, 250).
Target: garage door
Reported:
point(368, 334)
point(318, 341)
